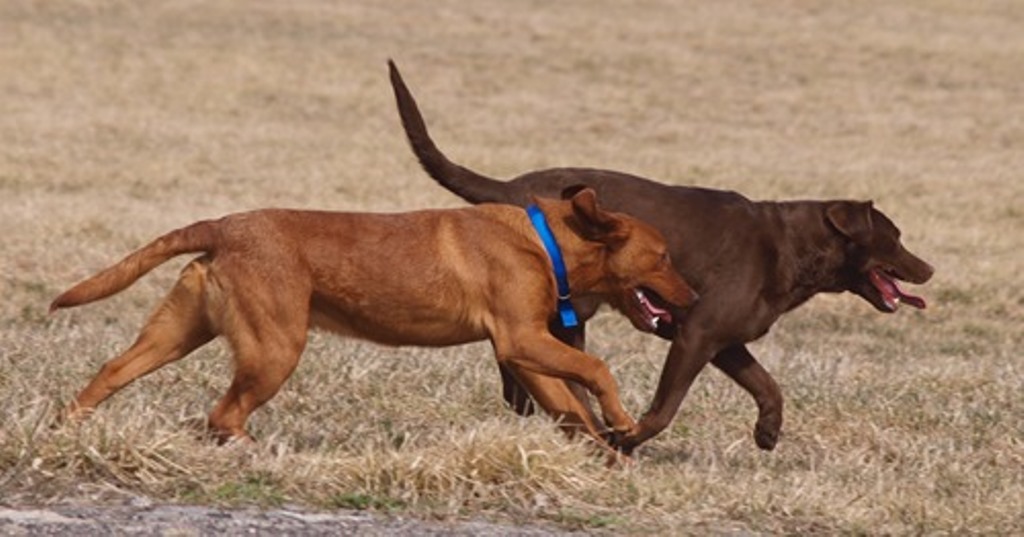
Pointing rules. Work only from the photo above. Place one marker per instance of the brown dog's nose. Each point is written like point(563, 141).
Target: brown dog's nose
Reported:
point(923, 273)
point(929, 271)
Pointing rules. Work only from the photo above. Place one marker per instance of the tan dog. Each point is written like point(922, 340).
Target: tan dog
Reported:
point(429, 278)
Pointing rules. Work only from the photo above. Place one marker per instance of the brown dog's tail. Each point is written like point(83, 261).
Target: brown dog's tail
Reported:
point(197, 237)
point(463, 182)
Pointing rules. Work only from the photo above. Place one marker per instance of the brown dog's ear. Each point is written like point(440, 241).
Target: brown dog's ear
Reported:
point(596, 223)
point(852, 219)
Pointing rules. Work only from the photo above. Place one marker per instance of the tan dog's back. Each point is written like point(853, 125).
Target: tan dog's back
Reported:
point(418, 278)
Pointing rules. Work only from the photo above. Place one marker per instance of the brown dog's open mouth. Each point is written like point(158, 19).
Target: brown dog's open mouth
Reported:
point(652, 307)
point(885, 282)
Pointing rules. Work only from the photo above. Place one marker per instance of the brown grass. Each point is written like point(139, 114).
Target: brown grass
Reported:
point(119, 120)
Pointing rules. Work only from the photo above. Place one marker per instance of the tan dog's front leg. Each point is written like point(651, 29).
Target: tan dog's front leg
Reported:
point(542, 353)
point(553, 395)
point(563, 404)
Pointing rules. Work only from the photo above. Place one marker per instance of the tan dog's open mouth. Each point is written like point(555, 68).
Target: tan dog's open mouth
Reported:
point(885, 282)
point(652, 308)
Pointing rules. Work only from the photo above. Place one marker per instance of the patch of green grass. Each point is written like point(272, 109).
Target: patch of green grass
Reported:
point(257, 488)
point(361, 501)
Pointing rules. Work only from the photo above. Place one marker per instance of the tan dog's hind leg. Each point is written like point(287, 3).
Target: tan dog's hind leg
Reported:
point(266, 351)
point(177, 327)
point(257, 380)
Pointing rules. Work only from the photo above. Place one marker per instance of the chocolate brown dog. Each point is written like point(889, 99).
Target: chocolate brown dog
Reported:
point(430, 278)
point(750, 261)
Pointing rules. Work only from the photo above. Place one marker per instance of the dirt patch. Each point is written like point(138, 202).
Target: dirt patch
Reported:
point(181, 520)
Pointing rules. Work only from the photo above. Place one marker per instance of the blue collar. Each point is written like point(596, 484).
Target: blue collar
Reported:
point(565, 310)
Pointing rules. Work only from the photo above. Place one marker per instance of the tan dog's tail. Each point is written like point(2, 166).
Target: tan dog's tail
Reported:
point(197, 237)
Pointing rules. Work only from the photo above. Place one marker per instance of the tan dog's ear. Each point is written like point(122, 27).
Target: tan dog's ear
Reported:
point(595, 223)
point(570, 191)
point(852, 219)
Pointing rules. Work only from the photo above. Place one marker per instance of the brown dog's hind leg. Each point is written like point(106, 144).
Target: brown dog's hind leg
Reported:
point(177, 327)
point(742, 367)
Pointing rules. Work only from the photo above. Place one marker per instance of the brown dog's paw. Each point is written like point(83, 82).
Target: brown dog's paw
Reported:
point(766, 437)
point(611, 437)
point(614, 457)
point(620, 442)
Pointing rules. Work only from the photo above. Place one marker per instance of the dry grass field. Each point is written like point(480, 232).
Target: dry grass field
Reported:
point(121, 120)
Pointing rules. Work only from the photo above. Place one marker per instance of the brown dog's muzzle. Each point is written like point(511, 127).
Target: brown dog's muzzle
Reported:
point(883, 287)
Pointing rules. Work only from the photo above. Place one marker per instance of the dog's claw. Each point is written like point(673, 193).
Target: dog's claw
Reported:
point(619, 441)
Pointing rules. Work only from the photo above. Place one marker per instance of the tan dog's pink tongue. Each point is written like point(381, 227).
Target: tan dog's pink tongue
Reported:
point(655, 311)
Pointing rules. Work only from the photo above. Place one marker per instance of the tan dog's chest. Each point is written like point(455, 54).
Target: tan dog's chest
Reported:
point(376, 319)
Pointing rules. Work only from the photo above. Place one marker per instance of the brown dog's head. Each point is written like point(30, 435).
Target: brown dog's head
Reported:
point(635, 271)
point(875, 258)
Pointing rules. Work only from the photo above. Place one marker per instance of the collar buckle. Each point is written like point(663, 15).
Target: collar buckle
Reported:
point(540, 224)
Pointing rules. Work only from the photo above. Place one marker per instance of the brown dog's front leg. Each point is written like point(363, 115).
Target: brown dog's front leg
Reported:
point(742, 367)
point(685, 360)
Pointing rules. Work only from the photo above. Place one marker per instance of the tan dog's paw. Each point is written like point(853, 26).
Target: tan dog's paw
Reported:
point(75, 414)
point(618, 459)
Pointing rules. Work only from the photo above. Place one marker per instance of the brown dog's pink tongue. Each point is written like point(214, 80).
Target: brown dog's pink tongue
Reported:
point(891, 291)
point(909, 300)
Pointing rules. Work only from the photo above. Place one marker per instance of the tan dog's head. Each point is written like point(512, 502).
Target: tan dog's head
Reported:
point(875, 259)
point(637, 277)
